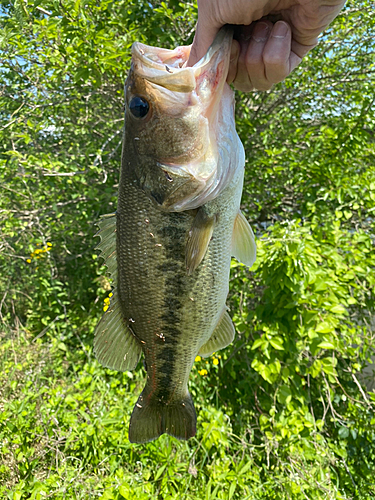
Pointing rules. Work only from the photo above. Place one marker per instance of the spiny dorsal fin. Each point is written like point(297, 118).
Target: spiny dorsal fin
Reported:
point(243, 241)
point(222, 336)
point(199, 238)
point(114, 345)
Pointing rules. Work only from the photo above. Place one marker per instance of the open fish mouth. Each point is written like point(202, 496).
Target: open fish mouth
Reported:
point(184, 132)
point(167, 68)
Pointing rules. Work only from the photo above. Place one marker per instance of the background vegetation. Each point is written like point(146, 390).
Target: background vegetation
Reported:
point(284, 413)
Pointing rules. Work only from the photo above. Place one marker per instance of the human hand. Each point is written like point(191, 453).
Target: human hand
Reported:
point(264, 52)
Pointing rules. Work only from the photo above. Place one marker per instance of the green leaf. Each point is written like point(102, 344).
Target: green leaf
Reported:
point(232, 489)
point(284, 395)
point(338, 309)
point(160, 471)
point(326, 345)
point(277, 343)
point(324, 327)
point(259, 342)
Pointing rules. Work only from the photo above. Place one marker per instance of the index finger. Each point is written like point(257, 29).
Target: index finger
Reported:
point(204, 36)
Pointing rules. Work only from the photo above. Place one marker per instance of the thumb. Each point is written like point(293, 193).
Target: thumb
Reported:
point(204, 36)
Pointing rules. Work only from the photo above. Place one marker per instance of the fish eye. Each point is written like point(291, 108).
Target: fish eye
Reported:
point(139, 107)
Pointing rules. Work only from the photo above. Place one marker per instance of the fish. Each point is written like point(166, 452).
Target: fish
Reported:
point(168, 247)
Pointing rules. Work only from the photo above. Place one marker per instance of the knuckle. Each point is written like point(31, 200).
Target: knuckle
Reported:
point(263, 86)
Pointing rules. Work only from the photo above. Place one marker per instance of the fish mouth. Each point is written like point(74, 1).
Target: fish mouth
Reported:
point(167, 68)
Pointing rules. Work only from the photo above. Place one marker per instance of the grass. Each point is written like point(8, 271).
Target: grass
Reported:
point(64, 427)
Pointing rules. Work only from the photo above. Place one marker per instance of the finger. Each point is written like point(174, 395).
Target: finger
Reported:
point(242, 34)
point(234, 54)
point(300, 49)
point(204, 36)
point(253, 64)
point(276, 54)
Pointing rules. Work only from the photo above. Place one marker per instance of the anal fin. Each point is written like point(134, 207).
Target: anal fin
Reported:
point(222, 336)
point(243, 241)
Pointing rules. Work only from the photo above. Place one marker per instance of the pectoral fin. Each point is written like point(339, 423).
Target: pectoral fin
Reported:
point(243, 241)
point(199, 238)
point(222, 336)
point(114, 345)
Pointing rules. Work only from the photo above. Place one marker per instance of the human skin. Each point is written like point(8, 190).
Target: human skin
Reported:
point(272, 37)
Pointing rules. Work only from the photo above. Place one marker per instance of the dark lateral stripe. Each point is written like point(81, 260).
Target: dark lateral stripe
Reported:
point(173, 235)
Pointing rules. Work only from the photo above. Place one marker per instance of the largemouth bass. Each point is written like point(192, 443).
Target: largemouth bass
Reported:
point(168, 247)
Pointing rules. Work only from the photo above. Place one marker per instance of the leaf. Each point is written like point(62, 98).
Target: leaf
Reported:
point(324, 327)
point(160, 471)
point(277, 343)
point(284, 395)
point(338, 309)
point(343, 432)
point(316, 368)
point(326, 345)
point(258, 342)
point(232, 489)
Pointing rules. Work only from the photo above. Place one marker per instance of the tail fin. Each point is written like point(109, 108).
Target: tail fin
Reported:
point(151, 419)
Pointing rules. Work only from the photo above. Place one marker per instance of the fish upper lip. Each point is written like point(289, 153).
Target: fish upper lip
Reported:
point(176, 76)
point(140, 50)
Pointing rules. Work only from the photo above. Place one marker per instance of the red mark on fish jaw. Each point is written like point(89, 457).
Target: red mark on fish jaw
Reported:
point(219, 73)
point(213, 78)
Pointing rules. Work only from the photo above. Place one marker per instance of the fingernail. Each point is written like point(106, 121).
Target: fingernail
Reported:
point(280, 30)
point(260, 32)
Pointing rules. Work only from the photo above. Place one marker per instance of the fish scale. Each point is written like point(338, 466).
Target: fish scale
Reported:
point(168, 248)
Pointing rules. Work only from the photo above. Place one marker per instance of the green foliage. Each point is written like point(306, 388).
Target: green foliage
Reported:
point(282, 414)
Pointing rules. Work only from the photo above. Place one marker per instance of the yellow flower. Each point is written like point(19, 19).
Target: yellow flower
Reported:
point(107, 301)
point(110, 295)
point(28, 261)
point(203, 372)
point(49, 244)
point(215, 361)
point(197, 358)
point(105, 308)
